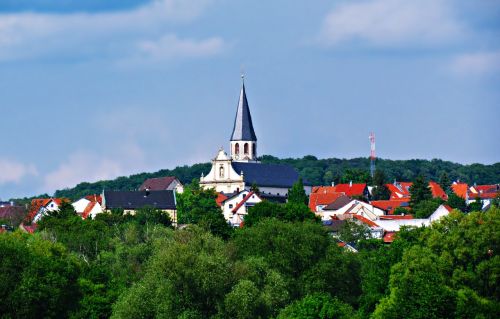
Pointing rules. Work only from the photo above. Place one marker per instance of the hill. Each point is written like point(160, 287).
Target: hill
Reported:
point(317, 171)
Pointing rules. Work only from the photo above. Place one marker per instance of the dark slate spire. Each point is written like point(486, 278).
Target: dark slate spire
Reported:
point(243, 127)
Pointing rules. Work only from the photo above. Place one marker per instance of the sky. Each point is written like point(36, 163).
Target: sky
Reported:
point(96, 89)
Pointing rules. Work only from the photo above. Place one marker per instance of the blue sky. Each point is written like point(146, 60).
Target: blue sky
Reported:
point(94, 89)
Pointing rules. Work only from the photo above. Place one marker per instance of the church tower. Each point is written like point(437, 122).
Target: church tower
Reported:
point(243, 139)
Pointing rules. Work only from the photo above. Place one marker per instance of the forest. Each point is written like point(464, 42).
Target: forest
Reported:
point(311, 169)
point(282, 264)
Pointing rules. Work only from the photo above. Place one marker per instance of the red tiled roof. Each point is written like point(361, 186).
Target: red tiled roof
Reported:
point(448, 208)
point(484, 191)
point(220, 198)
point(88, 209)
point(94, 198)
point(323, 189)
point(460, 189)
point(354, 190)
point(242, 202)
point(365, 220)
point(389, 237)
point(437, 190)
point(321, 198)
point(389, 205)
point(158, 183)
point(36, 204)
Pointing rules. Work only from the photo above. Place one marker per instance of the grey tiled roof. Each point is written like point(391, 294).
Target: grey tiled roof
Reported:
point(243, 127)
point(137, 199)
point(267, 175)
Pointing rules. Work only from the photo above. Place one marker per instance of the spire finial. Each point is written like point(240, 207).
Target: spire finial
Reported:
point(242, 74)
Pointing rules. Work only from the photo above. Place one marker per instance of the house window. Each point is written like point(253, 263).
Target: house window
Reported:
point(254, 150)
point(236, 148)
point(245, 148)
point(221, 171)
point(230, 205)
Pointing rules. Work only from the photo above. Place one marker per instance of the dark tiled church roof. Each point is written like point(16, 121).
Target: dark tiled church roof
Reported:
point(267, 175)
point(137, 199)
point(243, 127)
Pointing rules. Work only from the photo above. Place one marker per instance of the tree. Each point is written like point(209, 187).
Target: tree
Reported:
point(380, 191)
point(444, 182)
point(318, 306)
point(417, 288)
point(255, 188)
point(425, 208)
point(476, 205)
point(38, 278)
point(352, 232)
point(297, 194)
point(419, 191)
point(356, 176)
point(290, 211)
point(456, 202)
point(187, 277)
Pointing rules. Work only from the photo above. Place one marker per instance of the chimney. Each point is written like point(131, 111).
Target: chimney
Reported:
point(147, 192)
point(350, 183)
point(333, 184)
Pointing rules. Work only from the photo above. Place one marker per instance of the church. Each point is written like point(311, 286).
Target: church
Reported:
point(241, 169)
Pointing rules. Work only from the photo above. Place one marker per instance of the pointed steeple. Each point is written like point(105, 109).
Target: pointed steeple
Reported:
point(243, 127)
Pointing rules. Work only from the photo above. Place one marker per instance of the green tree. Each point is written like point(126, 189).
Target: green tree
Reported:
point(425, 208)
point(38, 279)
point(380, 191)
point(187, 277)
point(356, 176)
point(290, 211)
point(419, 191)
point(297, 194)
point(456, 202)
point(417, 288)
point(318, 306)
point(352, 232)
point(476, 205)
point(444, 182)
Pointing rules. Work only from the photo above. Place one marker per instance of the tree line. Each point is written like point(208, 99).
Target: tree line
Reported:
point(314, 170)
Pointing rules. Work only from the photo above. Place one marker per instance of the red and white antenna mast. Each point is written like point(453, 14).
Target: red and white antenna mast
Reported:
point(373, 157)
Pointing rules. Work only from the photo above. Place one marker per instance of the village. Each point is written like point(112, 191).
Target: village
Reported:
point(241, 182)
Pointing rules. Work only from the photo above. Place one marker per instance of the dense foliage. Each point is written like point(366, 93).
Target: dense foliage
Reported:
point(316, 171)
point(283, 264)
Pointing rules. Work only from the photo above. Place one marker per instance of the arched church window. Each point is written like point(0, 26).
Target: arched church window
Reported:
point(221, 171)
point(236, 148)
point(254, 150)
point(245, 148)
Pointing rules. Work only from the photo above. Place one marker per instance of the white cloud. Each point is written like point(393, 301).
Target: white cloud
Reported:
point(34, 35)
point(81, 167)
point(391, 22)
point(476, 63)
point(169, 46)
point(14, 172)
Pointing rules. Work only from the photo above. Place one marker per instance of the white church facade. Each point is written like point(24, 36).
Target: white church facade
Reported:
point(241, 169)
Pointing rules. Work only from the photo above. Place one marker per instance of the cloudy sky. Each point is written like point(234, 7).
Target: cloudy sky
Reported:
point(96, 89)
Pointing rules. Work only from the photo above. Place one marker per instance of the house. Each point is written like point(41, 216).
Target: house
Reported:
point(353, 190)
point(390, 205)
point(42, 206)
point(319, 200)
point(401, 190)
point(334, 226)
point(354, 207)
point(236, 206)
point(131, 201)
point(241, 169)
point(12, 213)
point(162, 183)
point(88, 206)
